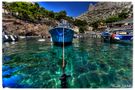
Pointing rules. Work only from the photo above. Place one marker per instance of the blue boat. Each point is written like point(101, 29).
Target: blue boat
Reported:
point(62, 34)
point(105, 36)
point(118, 36)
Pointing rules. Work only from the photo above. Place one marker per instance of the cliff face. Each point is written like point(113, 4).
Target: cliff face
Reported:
point(12, 25)
point(103, 10)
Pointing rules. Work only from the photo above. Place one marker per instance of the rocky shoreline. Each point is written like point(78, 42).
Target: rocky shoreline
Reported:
point(102, 10)
point(12, 25)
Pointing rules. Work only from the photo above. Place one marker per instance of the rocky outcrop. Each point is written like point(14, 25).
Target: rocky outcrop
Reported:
point(104, 10)
point(12, 25)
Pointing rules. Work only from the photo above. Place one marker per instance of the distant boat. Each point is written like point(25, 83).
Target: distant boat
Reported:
point(41, 40)
point(106, 36)
point(62, 34)
point(8, 38)
point(118, 36)
point(22, 37)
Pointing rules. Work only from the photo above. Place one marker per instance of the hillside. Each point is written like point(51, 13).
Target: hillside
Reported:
point(12, 25)
point(29, 18)
point(105, 10)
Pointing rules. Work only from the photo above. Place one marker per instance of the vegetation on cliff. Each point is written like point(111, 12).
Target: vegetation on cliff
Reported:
point(33, 12)
point(121, 16)
point(81, 24)
point(107, 12)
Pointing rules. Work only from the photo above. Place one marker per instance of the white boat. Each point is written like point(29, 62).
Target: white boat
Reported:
point(41, 40)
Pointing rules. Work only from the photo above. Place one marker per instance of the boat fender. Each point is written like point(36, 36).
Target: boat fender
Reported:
point(13, 39)
point(131, 39)
point(113, 35)
point(6, 36)
point(15, 36)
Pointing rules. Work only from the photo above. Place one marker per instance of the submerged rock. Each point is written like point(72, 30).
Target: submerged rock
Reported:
point(7, 58)
point(11, 82)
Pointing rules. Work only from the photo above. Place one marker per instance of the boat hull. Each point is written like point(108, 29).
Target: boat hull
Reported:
point(59, 39)
point(117, 38)
point(122, 39)
point(105, 36)
point(9, 38)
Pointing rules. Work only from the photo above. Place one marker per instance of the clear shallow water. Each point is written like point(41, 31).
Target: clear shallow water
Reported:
point(90, 62)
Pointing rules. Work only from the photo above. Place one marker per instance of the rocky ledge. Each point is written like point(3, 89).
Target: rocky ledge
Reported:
point(12, 25)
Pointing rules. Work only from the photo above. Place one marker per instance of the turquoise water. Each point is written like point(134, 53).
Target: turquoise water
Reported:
point(90, 63)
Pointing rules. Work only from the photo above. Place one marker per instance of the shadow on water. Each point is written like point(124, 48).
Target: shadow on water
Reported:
point(90, 63)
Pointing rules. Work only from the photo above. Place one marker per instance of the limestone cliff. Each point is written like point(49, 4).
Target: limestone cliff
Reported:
point(104, 10)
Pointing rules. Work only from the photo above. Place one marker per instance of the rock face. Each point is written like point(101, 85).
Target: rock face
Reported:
point(12, 25)
point(103, 10)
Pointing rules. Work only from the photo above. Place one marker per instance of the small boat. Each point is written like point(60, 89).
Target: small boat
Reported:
point(122, 36)
point(22, 37)
point(118, 36)
point(41, 40)
point(62, 34)
point(105, 36)
point(9, 38)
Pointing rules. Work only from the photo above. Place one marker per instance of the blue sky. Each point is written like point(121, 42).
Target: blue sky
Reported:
point(72, 8)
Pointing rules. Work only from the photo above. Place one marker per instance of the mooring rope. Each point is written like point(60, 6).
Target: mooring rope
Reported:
point(63, 61)
point(64, 77)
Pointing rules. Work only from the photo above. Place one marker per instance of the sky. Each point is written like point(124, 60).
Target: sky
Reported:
point(73, 9)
